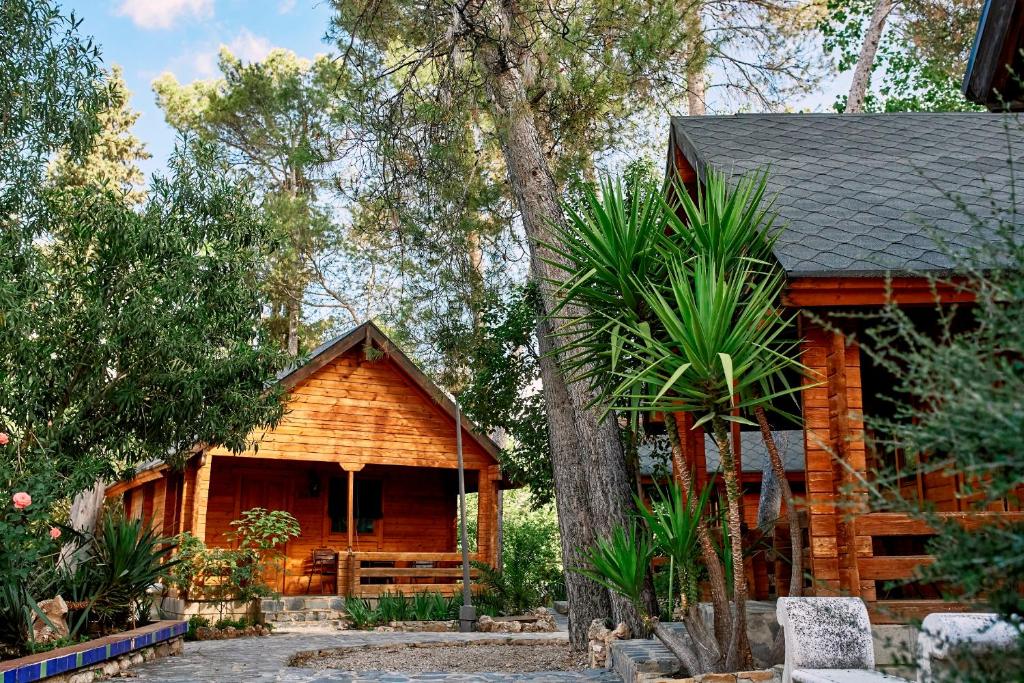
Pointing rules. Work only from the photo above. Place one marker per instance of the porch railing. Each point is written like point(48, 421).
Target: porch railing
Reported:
point(370, 574)
point(892, 567)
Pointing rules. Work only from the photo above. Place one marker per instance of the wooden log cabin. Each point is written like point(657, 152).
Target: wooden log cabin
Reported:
point(364, 458)
point(862, 198)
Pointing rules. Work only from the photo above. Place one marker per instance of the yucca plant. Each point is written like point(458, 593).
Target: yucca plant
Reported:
point(694, 325)
point(621, 563)
point(130, 558)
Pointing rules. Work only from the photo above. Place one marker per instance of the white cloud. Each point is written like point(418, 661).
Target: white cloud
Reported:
point(249, 47)
point(285, 6)
point(162, 14)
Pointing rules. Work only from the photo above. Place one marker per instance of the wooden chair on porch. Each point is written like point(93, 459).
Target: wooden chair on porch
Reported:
point(323, 563)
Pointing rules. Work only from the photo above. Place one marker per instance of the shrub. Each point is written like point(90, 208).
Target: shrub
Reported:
point(360, 613)
point(531, 572)
point(235, 573)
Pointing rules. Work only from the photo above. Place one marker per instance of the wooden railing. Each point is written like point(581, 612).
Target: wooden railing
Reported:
point(902, 567)
point(370, 574)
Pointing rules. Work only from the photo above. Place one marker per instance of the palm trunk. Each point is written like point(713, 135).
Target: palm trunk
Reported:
point(711, 657)
point(595, 453)
point(738, 654)
point(796, 580)
point(866, 60)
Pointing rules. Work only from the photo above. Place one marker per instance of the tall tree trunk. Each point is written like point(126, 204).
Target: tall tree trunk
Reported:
point(738, 654)
point(796, 580)
point(696, 63)
point(293, 311)
point(596, 456)
point(866, 60)
point(587, 600)
point(85, 512)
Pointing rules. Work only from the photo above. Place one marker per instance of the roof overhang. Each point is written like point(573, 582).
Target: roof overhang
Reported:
point(996, 57)
point(832, 291)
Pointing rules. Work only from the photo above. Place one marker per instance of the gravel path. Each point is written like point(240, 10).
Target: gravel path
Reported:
point(247, 660)
point(450, 657)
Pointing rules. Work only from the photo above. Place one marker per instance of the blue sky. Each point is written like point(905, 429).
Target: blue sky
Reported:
point(149, 37)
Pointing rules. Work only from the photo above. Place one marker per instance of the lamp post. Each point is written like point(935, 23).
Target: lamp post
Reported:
point(467, 613)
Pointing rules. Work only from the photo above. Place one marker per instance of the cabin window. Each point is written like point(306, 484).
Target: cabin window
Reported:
point(367, 507)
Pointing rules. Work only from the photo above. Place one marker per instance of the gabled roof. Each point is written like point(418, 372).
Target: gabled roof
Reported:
point(864, 194)
point(369, 333)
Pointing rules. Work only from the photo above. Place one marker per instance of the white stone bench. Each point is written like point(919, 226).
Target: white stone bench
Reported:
point(943, 633)
point(828, 640)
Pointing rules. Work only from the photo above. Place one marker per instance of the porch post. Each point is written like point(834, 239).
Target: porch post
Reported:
point(351, 508)
point(201, 496)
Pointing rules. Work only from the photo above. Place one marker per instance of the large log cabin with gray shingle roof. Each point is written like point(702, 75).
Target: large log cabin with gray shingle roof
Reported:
point(865, 200)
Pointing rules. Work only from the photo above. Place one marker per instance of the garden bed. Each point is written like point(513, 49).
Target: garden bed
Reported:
point(498, 655)
point(109, 654)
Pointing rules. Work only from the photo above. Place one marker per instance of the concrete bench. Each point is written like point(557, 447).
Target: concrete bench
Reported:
point(944, 633)
point(828, 640)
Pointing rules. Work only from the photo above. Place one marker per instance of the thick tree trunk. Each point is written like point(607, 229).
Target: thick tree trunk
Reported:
point(85, 512)
point(587, 600)
point(595, 457)
point(796, 580)
point(866, 60)
point(738, 654)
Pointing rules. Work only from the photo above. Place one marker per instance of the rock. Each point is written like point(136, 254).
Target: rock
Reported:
point(717, 678)
point(755, 675)
point(205, 633)
point(177, 645)
point(57, 628)
point(545, 620)
point(561, 606)
point(486, 624)
point(110, 668)
point(148, 654)
point(600, 640)
point(385, 629)
point(137, 658)
point(87, 676)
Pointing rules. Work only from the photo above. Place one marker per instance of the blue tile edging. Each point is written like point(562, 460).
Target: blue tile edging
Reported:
point(62, 661)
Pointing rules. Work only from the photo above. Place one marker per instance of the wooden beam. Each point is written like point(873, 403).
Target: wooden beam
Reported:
point(201, 497)
point(810, 292)
point(350, 511)
point(891, 567)
point(898, 524)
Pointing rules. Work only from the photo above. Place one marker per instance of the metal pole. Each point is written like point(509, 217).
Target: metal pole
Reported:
point(467, 613)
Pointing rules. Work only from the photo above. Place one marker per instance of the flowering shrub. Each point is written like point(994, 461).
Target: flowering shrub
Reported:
point(237, 573)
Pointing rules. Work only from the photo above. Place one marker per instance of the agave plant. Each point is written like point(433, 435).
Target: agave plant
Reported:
point(620, 563)
point(130, 559)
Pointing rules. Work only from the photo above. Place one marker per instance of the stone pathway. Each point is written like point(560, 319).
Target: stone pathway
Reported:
point(266, 659)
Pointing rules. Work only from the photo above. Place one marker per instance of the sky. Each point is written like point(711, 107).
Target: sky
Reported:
point(148, 37)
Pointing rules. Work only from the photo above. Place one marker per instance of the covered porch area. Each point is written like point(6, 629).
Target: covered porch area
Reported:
point(366, 528)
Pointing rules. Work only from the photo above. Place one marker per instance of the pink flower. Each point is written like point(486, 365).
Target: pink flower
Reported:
point(21, 500)
point(4, 439)
point(54, 533)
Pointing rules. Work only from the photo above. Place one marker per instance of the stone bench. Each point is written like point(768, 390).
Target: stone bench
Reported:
point(943, 634)
point(828, 640)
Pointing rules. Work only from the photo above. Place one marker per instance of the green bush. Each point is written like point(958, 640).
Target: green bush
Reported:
point(235, 573)
point(195, 622)
point(360, 612)
point(531, 573)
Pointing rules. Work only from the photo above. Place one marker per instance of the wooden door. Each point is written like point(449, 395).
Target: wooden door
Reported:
point(269, 493)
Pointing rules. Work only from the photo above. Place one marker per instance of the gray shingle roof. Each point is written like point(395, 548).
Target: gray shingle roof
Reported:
point(865, 194)
point(655, 453)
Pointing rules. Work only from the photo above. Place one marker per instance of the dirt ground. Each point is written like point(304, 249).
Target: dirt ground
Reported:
point(447, 657)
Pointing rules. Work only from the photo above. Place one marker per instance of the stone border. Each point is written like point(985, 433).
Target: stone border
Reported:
point(94, 654)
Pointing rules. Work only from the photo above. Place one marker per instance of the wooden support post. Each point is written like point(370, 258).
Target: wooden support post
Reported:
point(350, 512)
point(159, 505)
point(487, 515)
point(201, 497)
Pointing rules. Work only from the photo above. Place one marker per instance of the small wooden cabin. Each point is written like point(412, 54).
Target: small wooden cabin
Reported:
point(364, 458)
point(861, 197)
